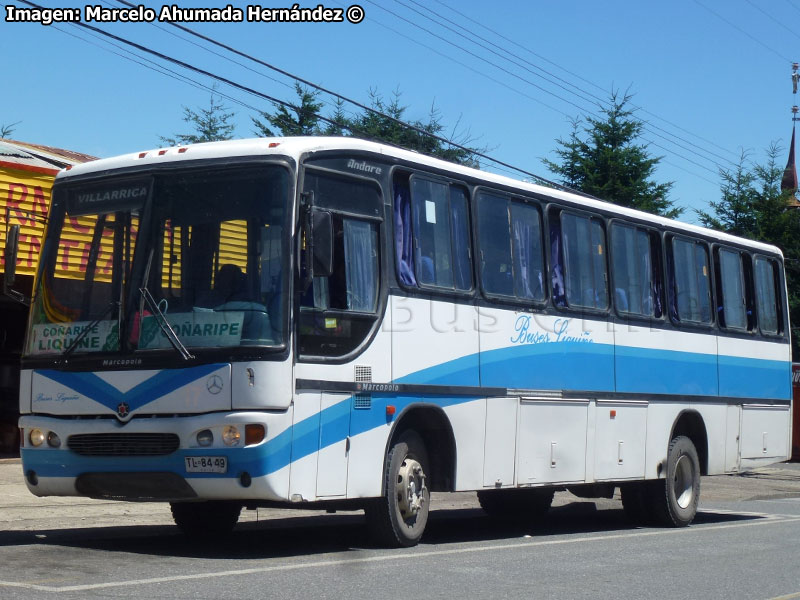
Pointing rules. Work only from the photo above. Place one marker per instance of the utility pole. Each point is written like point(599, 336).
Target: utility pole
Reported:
point(789, 179)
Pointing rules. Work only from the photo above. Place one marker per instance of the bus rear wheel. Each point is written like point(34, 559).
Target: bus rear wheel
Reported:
point(200, 520)
point(398, 518)
point(674, 499)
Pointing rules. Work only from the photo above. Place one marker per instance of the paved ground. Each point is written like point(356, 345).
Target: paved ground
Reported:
point(745, 543)
point(22, 511)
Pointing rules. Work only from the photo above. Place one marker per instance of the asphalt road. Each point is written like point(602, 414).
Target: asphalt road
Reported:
point(745, 543)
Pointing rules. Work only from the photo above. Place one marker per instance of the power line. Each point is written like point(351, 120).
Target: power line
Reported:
point(593, 84)
point(363, 107)
point(694, 162)
point(593, 97)
point(289, 105)
point(742, 31)
point(773, 19)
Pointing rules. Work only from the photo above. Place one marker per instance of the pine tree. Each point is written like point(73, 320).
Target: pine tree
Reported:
point(210, 124)
point(302, 120)
point(602, 158)
point(306, 119)
point(753, 206)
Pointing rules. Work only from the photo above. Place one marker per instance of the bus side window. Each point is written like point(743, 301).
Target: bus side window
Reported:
point(636, 268)
point(579, 262)
point(690, 282)
point(511, 248)
point(432, 234)
point(733, 306)
point(770, 319)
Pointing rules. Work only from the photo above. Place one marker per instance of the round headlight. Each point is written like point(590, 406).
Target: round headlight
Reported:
point(231, 435)
point(53, 440)
point(36, 436)
point(205, 437)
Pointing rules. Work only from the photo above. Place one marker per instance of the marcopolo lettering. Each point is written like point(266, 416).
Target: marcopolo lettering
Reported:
point(378, 387)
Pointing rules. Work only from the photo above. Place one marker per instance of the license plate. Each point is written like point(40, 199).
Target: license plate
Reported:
point(206, 464)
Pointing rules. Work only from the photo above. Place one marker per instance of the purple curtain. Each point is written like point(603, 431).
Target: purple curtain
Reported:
point(403, 235)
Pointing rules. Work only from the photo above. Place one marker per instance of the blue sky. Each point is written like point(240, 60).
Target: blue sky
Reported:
point(711, 77)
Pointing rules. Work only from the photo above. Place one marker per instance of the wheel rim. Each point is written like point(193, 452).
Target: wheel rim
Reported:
point(411, 488)
point(684, 481)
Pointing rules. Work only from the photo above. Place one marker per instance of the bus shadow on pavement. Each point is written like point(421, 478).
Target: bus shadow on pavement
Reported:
point(342, 532)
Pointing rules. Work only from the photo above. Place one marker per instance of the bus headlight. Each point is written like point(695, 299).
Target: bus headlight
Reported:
point(36, 436)
point(53, 440)
point(231, 435)
point(205, 438)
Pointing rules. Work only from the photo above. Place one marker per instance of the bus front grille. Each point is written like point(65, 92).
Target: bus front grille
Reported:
point(123, 444)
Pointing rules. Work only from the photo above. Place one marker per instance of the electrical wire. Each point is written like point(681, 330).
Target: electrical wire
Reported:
point(275, 100)
point(743, 32)
point(581, 93)
point(577, 76)
point(529, 82)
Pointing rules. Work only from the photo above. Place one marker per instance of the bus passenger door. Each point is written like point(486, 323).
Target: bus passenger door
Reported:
point(334, 442)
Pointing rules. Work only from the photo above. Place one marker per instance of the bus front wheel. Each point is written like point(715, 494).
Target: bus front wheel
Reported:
point(205, 519)
point(398, 518)
point(674, 499)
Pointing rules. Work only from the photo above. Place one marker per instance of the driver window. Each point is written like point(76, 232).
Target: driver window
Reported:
point(337, 312)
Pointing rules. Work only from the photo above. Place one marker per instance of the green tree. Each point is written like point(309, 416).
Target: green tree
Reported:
point(210, 124)
point(420, 137)
point(305, 118)
point(753, 206)
point(602, 158)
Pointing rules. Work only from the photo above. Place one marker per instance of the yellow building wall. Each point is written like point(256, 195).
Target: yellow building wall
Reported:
point(24, 201)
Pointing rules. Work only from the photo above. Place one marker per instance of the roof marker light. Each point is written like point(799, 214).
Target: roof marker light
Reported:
point(182, 150)
point(274, 144)
point(142, 154)
point(162, 152)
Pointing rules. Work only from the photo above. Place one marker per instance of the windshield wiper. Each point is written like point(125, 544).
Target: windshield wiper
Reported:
point(74, 343)
point(164, 324)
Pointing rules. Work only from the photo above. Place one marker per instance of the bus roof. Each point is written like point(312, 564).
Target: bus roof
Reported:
point(297, 147)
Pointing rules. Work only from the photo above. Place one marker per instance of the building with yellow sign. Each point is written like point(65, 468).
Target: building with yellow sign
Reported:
point(27, 172)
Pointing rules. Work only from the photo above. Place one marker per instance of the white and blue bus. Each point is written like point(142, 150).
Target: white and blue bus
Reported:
point(334, 323)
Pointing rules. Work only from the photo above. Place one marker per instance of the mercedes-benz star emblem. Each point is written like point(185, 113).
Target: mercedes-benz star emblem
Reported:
point(214, 384)
point(123, 410)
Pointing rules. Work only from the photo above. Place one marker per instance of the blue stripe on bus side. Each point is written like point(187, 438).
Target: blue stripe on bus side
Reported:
point(749, 378)
point(666, 372)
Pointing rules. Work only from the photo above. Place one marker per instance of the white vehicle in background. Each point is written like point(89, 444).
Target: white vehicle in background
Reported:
point(336, 323)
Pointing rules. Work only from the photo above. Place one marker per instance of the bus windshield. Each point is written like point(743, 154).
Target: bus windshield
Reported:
point(203, 247)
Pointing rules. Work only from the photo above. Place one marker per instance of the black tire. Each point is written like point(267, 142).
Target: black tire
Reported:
point(398, 518)
point(674, 499)
point(199, 520)
point(636, 502)
point(528, 503)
